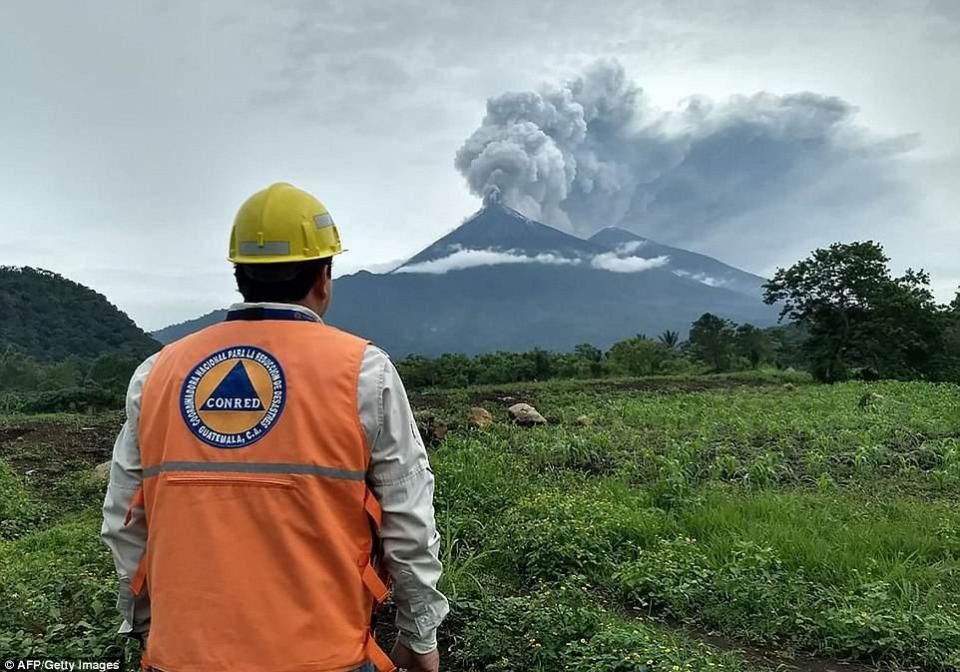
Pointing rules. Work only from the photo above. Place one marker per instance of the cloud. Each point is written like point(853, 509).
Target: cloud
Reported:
point(462, 259)
point(630, 247)
point(595, 152)
point(701, 277)
point(611, 261)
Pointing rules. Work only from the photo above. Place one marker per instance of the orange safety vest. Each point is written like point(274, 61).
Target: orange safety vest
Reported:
point(261, 528)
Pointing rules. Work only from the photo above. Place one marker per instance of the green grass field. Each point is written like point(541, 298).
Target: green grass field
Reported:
point(725, 523)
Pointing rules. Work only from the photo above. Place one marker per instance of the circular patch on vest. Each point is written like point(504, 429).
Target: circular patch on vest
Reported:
point(234, 397)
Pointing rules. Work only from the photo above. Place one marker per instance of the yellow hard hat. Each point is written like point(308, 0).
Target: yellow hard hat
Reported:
point(282, 224)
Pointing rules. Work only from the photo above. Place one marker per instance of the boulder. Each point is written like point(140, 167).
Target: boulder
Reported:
point(526, 415)
point(584, 421)
point(479, 417)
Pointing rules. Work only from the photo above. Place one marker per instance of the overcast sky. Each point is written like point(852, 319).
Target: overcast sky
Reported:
point(130, 135)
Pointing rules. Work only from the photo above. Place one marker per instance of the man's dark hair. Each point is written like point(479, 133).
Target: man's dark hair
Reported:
point(279, 283)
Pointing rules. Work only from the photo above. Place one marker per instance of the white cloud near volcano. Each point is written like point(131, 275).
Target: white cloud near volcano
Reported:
point(701, 277)
point(630, 246)
point(611, 261)
point(462, 259)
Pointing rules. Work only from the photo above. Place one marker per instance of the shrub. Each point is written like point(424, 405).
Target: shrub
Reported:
point(558, 533)
point(562, 628)
point(57, 594)
point(19, 513)
point(749, 593)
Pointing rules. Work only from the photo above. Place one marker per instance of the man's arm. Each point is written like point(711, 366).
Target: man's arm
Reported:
point(401, 477)
point(128, 541)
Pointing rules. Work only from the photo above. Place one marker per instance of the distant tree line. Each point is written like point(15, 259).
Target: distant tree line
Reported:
point(28, 385)
point(715, 345)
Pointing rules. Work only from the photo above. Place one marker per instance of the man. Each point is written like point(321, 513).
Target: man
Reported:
point(265, 466)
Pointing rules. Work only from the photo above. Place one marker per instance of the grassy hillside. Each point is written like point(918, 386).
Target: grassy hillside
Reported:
point(49, 317)
point(733, 523)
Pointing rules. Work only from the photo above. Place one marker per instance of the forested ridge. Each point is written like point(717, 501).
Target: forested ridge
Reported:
point(50, 318)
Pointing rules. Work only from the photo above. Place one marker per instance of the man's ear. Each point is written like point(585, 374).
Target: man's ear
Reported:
point(321, 287)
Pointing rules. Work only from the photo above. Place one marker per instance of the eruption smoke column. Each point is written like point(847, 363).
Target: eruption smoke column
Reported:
point(594, 152)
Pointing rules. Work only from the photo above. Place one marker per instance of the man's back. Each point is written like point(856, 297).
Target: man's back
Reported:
point(263, 540)
point(253, 438)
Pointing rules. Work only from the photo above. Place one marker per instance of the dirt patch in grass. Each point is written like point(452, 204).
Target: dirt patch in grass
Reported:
point(47, 449)
point(690, 385)
point(505, 396)
point(13, 433)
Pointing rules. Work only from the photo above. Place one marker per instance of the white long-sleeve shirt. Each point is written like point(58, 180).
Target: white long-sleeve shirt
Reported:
point(399, 475)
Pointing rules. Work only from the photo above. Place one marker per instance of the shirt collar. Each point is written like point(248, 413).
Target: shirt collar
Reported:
point(277, 306)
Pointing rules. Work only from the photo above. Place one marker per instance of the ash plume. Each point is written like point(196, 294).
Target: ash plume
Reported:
point(595, 152)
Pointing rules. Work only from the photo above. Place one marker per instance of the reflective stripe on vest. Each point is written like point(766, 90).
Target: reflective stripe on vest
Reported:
point(261, 525)
point(254, 468)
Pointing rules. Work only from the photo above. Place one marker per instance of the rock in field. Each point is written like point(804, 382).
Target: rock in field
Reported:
point(526, 415)
point(479, 418)
point(584, 421)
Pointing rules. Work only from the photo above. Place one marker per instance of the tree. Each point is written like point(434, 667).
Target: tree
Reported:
point(418, 372)
point(670, 339)
point(70, 373)
point(907, 329)
point(18, 371)
point(588, 353)
point(592, 357)
point(455, 370)
point(949, 366)
point(542, 363)
point(712, 341)
point(860, 319)
point(753, 344)
point(112, 371)
point(638, 356)
point(788, 343)
point(830, 292)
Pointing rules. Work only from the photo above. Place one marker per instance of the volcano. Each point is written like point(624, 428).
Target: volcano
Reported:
point(502, 281)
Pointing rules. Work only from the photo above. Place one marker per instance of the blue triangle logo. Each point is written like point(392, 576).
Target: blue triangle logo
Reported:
point(234, 393)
